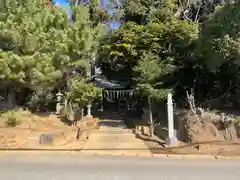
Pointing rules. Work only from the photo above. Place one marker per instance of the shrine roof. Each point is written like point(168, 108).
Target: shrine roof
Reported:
point(102, 82)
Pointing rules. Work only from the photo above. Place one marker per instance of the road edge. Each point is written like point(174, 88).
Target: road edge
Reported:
point(72, 152)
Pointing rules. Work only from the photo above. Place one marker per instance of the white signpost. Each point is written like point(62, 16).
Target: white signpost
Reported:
point(172, 139)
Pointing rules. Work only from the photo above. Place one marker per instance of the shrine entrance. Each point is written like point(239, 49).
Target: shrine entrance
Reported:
point(121, 101)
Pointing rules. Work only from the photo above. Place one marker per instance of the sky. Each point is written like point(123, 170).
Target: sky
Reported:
point(111, 24)
point(60, 2)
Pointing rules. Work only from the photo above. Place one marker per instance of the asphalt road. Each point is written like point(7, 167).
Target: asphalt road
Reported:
point(78, 167)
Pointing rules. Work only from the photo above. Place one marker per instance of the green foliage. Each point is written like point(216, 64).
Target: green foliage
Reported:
point(39, 45)
point(138, 11)
point(149, 71)
point(220, 38)
point(137, 7)
point(12, 122)
point(217, 54)
point(82, 93)
point(98, 14)
point(237, 120)
point(157, 49)
point(40, 101)
point(149, 52)
point(13, 117)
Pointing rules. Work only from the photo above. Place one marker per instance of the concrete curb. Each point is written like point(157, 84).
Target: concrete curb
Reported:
point(196, 156)
point(168, 156)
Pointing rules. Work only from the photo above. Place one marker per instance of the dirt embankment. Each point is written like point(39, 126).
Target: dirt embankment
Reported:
point(208, 127)
point(44, 131)
point(207, 134)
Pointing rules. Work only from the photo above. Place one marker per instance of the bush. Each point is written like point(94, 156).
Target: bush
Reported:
point(12, 122)
point(237, 125)
point(13, 117)
point(41, 102)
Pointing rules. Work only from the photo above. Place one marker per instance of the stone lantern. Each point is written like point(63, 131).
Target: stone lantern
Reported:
point(59, 96)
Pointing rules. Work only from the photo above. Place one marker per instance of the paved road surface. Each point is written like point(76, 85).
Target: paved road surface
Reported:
point(77, 167)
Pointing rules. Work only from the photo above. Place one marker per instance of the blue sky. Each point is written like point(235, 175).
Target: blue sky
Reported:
point(64, 4)
point(111, 24)
point(114, 24)
point(60, 2)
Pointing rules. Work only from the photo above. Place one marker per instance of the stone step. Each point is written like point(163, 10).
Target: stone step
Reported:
point(114, 138)
point(113, 128)
point(134, 144)
point(117, 142)
point(115, 148)
point(113, 132)
point(122, 136)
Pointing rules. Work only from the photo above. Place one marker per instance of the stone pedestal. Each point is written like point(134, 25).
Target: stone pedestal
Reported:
point(172, 141)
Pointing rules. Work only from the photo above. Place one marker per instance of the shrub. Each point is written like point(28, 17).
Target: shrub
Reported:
point(12, 122)
point(13, 117)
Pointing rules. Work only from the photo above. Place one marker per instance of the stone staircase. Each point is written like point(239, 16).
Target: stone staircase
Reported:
point(115, 140)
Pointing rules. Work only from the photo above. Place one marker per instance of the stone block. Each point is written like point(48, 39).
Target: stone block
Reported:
point(47, 138)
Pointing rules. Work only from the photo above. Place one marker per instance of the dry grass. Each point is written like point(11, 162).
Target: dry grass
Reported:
point(32, 126)
point(16, 116)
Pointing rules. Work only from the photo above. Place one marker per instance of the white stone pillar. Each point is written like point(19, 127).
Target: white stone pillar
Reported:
point(89, 110)
point(172, 139)
point(102, 100)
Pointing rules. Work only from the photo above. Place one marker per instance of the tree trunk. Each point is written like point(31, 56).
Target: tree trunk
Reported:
point(82, 112)
point(68, 80)
point(191, 102)
point(11, 98)
point(151, 123)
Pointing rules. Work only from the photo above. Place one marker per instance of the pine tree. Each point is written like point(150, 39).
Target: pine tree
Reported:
point(41, 48)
